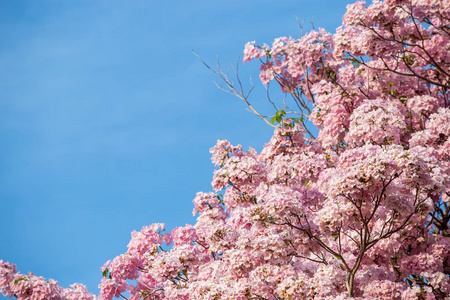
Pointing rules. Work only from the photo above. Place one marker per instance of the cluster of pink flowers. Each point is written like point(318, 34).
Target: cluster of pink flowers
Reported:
point(360, 212)
point(14, 284)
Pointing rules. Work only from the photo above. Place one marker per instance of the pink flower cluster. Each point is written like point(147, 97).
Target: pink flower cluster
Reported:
point(14, 284)
point(288, 229)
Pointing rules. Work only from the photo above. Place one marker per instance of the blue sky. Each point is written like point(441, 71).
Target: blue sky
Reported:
point(106, 118)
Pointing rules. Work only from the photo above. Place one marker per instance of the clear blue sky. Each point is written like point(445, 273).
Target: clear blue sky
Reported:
point(106, 118)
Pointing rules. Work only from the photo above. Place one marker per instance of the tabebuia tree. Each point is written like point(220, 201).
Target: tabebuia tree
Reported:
point(360, 211)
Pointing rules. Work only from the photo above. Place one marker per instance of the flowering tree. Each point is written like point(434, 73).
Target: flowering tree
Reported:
point(360, 211)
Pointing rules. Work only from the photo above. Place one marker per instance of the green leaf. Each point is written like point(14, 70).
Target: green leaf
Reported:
point(105, 273)
point(332, 75)
point(355, 62)
point(280, 113)
point(278, 117)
